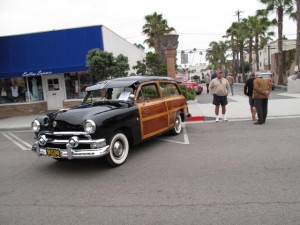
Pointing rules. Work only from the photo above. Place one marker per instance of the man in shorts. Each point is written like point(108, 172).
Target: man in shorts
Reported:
point(219, 88)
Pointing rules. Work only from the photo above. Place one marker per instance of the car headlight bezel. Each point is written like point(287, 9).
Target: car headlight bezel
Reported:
point(36, 126)
point(89, 126)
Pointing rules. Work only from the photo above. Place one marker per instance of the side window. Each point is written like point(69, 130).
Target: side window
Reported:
point(148, 92)
point(169, 89)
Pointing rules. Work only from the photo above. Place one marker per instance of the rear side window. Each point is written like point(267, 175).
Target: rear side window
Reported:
point(169, 89)
point(148, 92)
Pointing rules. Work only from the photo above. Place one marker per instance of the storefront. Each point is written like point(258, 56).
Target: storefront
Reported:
point(47, 71)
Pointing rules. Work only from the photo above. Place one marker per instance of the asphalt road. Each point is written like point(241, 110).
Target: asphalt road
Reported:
point(213, 173)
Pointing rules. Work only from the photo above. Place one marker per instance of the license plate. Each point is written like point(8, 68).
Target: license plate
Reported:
point(53, 152)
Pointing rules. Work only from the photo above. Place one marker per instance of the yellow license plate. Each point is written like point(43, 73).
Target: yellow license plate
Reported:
point(53, 152)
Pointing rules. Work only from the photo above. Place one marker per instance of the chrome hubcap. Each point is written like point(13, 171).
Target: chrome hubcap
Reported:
point(177, 125)
point(118, 149)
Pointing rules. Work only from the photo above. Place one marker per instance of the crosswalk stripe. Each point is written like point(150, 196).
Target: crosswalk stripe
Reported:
point(17, 141)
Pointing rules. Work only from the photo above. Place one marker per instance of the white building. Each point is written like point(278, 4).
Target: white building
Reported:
point(267, 53)
point(49, 68)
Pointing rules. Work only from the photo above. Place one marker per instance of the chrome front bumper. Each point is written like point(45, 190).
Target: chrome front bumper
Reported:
point(64, 146)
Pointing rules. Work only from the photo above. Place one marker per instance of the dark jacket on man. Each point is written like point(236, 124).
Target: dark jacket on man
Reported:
point(248, 88)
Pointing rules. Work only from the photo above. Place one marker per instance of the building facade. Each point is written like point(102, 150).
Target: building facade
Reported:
point(268, 58)
point(47, 70)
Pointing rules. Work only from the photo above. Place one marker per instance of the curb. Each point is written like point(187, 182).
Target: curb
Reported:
point(195, 118)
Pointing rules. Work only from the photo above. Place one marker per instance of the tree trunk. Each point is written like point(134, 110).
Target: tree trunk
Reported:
point(237, 60)
point(256, 53)
point(298, 36)
point(242, 56)
point(250, 54)
point(233, 57)
point(280, 62)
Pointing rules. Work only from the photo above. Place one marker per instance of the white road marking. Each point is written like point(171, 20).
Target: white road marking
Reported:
point(185, 137)
point(17, 141)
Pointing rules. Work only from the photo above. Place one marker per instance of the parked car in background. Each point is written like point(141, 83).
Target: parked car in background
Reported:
point(191, 85)
point(269, 77)
point(114, 115)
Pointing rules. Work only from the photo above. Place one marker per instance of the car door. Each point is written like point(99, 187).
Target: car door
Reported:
point(173, 99)
point(152, 110)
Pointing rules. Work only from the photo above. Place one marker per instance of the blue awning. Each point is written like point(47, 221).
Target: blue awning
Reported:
point(45, 53)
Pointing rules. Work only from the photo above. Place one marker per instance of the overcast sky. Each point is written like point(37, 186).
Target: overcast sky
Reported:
point(198, 22)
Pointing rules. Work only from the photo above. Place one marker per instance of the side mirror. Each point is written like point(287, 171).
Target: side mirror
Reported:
point(131, 97)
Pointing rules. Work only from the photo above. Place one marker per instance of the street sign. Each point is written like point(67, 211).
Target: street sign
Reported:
point(184, 58)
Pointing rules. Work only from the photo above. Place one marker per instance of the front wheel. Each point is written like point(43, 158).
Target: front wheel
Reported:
point(177, 126)
point(118, 149)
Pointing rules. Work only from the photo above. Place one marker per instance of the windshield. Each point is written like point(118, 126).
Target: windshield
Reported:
point(115, 94)
point(180, 79)
point(266, 75)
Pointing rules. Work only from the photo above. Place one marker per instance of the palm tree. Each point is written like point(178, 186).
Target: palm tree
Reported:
point(243, 34)
point(232, 33)
point(238, 32)
point(259, 26)
point(216, 54)
point(154, 28)
point(281, 7)
point(251, 23)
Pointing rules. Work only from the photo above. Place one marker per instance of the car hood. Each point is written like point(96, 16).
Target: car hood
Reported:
point(73, 118)
point(82, 112)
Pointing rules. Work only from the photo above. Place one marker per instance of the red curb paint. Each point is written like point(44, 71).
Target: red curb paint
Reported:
point(195, 118)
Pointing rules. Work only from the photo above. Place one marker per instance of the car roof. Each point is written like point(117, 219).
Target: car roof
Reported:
point(125, 82)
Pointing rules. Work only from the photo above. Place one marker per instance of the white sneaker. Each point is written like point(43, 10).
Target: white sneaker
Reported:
point(225, 119)
point(217, 119)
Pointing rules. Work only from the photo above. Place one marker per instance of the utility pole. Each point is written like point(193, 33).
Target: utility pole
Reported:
point(239, 67)
point(238, 13)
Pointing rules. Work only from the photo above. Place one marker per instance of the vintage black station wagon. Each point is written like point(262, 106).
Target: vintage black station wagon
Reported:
point(114, 115)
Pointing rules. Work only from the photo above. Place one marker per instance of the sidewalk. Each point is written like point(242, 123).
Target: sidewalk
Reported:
point(17, 123)
point(237, 109)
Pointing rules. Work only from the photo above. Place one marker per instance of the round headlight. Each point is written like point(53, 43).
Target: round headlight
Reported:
point(89, 126)
point(35, 125)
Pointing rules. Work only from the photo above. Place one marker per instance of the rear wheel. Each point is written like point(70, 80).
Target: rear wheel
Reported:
point(177, 126)
point(118, 149)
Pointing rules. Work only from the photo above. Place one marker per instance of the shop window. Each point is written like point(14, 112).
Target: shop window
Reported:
point(20, 89)
point(76, 83)
point(53, 84)
point(35, 92)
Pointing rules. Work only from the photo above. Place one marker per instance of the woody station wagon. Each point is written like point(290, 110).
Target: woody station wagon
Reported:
point(115, 115)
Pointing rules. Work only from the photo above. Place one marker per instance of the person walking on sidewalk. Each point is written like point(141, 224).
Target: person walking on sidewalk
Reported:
point(248, 90)
point(261, 91)
point(230, 79)
point(207, 81)
point(219, 88)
